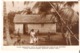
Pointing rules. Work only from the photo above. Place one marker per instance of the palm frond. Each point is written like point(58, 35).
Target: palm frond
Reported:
point(71, 3)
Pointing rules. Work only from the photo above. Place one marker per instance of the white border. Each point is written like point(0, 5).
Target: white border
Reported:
point(72, 49)
point(40, 0)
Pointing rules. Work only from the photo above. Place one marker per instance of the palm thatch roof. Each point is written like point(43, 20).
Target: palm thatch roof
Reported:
point(33, 19)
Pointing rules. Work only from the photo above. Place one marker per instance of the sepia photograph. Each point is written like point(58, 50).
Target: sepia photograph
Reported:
point(40, 23)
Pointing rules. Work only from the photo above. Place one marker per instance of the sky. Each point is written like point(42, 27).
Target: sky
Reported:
point(19, 5)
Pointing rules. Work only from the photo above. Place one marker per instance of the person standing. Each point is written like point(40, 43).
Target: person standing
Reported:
point(32, 36)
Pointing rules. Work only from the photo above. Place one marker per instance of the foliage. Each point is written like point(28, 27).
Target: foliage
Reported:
point(11, 23)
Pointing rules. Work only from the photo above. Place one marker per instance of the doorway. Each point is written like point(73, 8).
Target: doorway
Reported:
point(25, 29)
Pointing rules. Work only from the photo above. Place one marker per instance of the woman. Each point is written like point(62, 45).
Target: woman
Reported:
point(32, 36)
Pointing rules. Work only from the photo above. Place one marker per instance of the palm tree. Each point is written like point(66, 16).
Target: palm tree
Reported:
point(44, 8)
point(71, 17)
point(68, 17)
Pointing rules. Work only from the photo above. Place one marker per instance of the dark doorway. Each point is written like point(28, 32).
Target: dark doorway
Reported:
point(25, 29)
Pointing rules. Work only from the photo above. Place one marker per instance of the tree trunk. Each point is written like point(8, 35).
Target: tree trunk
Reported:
point(7, 34)
point(63, 35)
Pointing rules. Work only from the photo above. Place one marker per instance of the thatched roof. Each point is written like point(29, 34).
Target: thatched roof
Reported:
point(30, 19)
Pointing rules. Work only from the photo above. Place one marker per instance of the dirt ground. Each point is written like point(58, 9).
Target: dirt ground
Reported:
point(54, 39)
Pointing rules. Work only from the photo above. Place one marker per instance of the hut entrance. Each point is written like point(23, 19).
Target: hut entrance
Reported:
point(25, 29)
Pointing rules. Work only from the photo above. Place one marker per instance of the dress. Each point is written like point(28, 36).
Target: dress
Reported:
point(32, 37)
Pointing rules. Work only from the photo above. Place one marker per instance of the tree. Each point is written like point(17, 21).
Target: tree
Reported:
point(7, 34)
point(11, 23)
point(68, 17)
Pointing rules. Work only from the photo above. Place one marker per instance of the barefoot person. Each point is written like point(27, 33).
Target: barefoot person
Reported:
point(33, 38)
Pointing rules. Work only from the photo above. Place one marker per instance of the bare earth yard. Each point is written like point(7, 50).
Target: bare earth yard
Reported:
point(55, 39)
